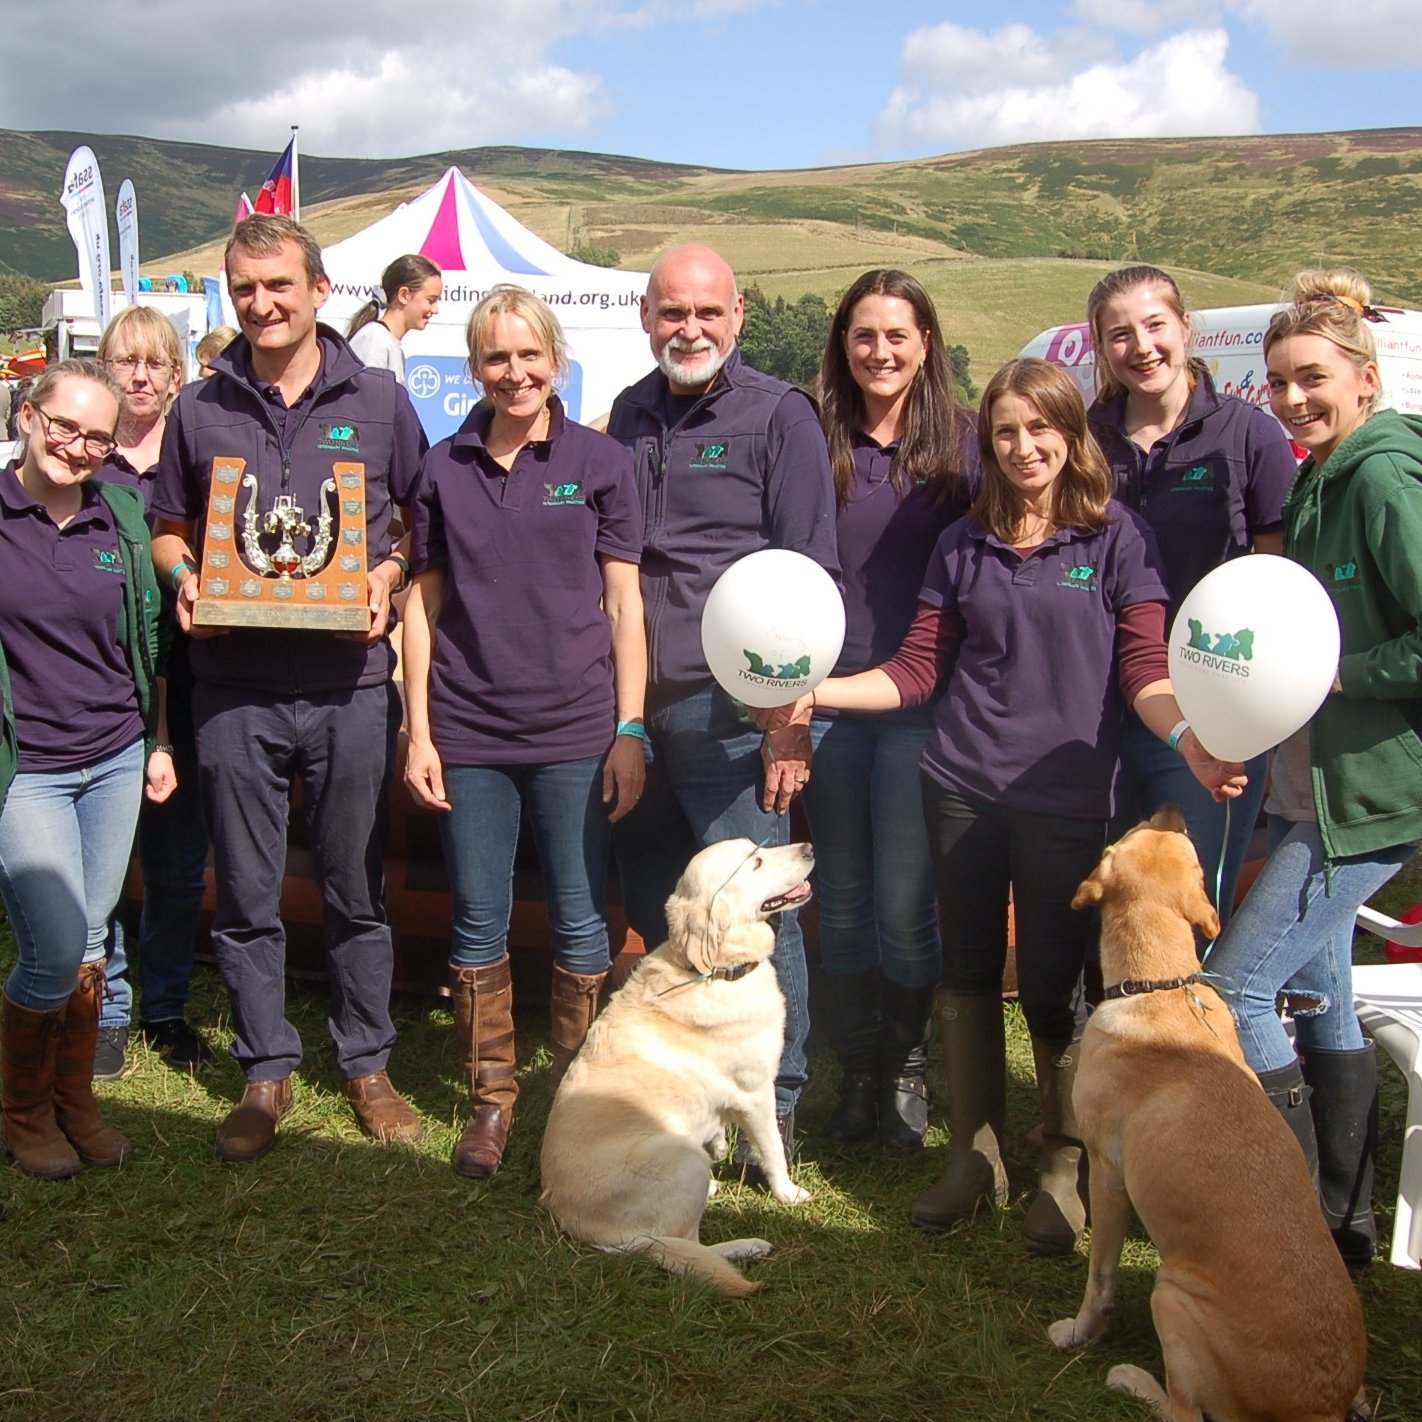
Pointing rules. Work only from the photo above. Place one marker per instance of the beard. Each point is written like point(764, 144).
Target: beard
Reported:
point(695, 374)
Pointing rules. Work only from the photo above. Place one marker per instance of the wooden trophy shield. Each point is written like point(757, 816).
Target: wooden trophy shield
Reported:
point(313, 576)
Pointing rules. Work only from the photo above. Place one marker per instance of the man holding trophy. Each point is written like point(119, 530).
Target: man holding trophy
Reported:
point(276, 487)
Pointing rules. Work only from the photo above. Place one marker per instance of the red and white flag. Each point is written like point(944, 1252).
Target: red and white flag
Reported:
point(277, 194)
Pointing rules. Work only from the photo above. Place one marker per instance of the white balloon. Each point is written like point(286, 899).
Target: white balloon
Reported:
point(1253, 653)
point(772, 627)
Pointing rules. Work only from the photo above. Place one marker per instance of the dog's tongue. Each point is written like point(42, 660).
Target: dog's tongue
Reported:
point(797, 895)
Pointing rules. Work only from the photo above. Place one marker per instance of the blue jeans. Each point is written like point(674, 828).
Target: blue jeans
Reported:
point(1153, 775)
point(251, 746)
point(873, 869)
point(1293, 930)
point(172, 849)
point(572, 832)
point(65, 839)
point(704, 781)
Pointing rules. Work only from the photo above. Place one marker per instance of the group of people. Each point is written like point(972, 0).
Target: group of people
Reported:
point(1001, 700)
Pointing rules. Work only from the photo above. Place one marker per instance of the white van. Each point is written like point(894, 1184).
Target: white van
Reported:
point(1230, 340)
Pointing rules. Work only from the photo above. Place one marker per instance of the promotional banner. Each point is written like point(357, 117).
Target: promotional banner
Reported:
point(126, 219)
point(83, 199)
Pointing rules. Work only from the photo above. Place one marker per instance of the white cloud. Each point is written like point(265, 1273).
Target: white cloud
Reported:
point(1368, 34)
point(1137, 17)
point(964, 88)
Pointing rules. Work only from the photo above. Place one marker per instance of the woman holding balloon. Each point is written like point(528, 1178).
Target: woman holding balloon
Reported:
point(1354, 519)
point(1041, 614)
point(1209, 473)
point(905, 463)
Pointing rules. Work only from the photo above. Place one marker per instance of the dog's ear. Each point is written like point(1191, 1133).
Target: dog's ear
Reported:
point(1169, 817)
point(1093, 890)
point(1198, 909)
point(695, 929)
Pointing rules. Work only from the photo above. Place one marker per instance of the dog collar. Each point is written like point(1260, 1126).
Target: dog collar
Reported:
point(729, 975)
point(1133, 987)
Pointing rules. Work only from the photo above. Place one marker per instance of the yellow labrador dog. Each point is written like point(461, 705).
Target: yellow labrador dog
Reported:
point(689, 1045)
point(1254, 1309)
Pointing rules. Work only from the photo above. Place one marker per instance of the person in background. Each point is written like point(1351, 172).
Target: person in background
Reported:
point(525, 670)
point(82, 736)
point(1043, 611)
point(140, 350)
point(1209, 474)
point(1348, 781)
point(728, 461)
point(905, 462)
point(212, 345)
point(411, 287)
point(274, 704)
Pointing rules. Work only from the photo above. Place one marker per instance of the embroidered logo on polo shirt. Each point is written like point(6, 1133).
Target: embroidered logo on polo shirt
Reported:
point(560, 494)
point(339, 436)
point(1078, 575)
point(1343, 577)
point(1223, 652)
point(710, 456)
point(1198, 479)
point(107, 560)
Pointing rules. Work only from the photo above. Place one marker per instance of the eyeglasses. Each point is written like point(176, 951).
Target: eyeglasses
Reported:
point(126, 365)
point(63, 433)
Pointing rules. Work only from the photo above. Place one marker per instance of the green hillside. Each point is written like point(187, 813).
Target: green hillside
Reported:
point(1008, 240)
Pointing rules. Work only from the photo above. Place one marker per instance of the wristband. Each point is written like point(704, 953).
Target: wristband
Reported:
point(1176, 731)
point(632, 728)
point(167, 750)
point(178, 569)
point(403, 564)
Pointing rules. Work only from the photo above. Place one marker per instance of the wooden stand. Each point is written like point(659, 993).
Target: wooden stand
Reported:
point(331, 598)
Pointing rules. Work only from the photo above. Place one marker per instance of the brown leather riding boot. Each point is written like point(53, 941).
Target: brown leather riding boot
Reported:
point(75, 1108)
point(483, 1023)
point(29, 1044)
point(573, 1006)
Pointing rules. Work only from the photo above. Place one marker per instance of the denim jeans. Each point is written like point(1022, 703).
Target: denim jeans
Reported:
point(704, 782)
point(1153, 775)
point(1294, 929)
point(65, 839)
point(980, 852)
point(572, 833)
point(172, 850)
point(873, 870)
point(251, 746)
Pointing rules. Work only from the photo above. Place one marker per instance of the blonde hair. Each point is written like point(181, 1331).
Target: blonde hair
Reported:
point(1083, 489)
point(214, 343)
point(145, 331)
point(1335, 303)
point(509, 300)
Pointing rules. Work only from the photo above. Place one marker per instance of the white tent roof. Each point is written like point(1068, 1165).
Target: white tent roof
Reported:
point(477, 245)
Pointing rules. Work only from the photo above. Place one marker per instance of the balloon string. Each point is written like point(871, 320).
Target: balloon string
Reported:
point(1219, 876)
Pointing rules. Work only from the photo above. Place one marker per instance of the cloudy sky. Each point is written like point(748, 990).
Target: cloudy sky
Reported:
point(729, 83)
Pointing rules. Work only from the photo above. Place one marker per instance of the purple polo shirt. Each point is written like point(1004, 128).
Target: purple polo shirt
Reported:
point(118, 469)
point(886, 538)
point(1031, 716)
point(522, 665)
point(1208, 488)
point(61, 603)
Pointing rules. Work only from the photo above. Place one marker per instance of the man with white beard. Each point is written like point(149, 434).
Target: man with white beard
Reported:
point(729, 461)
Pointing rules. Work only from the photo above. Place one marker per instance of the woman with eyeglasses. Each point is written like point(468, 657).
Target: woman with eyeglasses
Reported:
point(82, 734)
point(140, 349)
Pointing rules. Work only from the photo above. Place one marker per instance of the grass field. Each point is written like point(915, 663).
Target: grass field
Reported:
point(338, 1279)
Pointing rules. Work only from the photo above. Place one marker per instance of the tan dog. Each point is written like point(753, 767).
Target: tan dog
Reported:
point(689, 1045)
point(1254, 1309)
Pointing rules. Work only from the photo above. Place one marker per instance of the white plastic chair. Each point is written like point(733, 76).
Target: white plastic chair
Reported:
point(1389, 1002)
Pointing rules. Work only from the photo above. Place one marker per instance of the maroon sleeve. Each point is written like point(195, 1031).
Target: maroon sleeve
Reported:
point(1141, 657)
point(925, 655)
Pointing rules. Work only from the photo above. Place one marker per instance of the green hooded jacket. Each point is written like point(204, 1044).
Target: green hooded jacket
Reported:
point(137, 631)
point(1356, 523)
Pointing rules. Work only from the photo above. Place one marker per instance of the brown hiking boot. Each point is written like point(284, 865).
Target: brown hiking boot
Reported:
point(382, 1112)
point(250, 1128)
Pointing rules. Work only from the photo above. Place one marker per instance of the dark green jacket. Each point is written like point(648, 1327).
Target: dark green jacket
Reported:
point(137, 632)
point(1356, 522)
